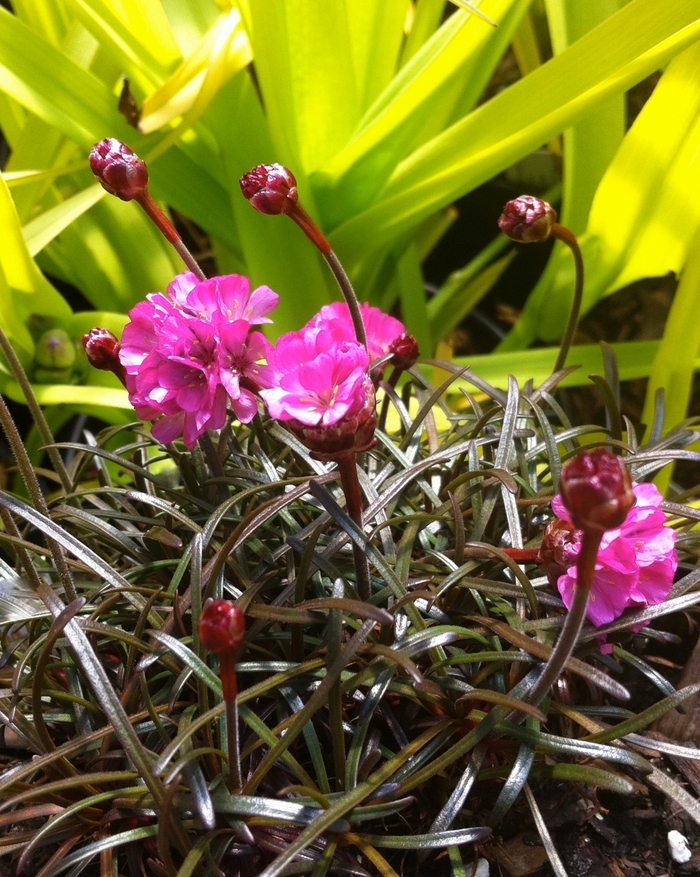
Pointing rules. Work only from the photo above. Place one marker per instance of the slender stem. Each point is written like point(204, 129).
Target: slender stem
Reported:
point(37, 414)
point(317, 238)
point(229, 683)
point(349, 296)
point(353, 502)
point(585, 567)
point(565, 236)
point(29, 477)
point(170, 233)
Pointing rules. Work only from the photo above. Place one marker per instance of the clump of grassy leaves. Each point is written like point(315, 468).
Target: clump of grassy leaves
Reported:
point(375, 737)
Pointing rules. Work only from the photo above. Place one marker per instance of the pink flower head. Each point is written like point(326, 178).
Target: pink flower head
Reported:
point(636, 561)
point(189, 352)
point(228, 297)
point(320, 387)
point(385, 334)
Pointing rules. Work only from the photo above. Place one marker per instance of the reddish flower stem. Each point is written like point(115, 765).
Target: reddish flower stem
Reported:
point(585, 568)
point(565, 236)
point(229, 685)
point(317, 238)
point(353, 503)
point(169, 232)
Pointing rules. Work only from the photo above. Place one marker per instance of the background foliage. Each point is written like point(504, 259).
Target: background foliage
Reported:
point(385, 115)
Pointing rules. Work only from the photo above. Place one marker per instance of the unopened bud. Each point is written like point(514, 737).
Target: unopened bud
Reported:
point(596, 489)
point(270, 188)
point(527, 219)
point(102, 350)
point(404, 351)
point(221, 627)
point(118, 169)
point(55, 350)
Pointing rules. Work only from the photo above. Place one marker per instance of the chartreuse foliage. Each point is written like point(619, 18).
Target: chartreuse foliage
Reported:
point(381, 736)
point(377, 108)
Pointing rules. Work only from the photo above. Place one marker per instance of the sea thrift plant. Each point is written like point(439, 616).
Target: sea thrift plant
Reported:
point(190, 352)
point(636, 561)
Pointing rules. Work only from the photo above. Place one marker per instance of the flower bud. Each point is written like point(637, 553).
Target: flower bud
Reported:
point(270, 188)
point(221, 627)
point(404, 351)
point(102, 350)
point(118, 169)
point(55, 350)
point(527, 219)
point(596, 490)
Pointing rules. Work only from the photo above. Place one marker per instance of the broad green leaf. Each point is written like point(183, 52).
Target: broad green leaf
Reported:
point(376, 37)
point(45, 17)
point(646, 209)
point(677, 354)
point(303, 62)
point(425, 18)
point(12, 119)
point(113, 254)
point(634, 359)
point(474, 9)
point(275, 251)
point(222, 53)
point(460, 293)
point(42, 230)
point(424, 93)
point(26, 290)
point(69, 98)
point(107, 403)
point(606, 61)
point(141, 49)
point(591, 144)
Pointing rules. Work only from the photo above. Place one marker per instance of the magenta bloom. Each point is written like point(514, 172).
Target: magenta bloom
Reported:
point(636, 562)
point(383, 331)
point(189, 352)
point(320, 387)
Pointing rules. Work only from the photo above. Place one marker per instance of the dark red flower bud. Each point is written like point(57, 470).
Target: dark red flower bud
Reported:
point(404, 350)
point(527, 219)
point(118, 169)
point(270, 188)
point(102, 350)
point(221, 627)
point(596, 489)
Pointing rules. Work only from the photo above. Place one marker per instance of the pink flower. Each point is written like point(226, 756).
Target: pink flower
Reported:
point(228, 297)
point(383, 331)
point(320, 387)
point(636, 562)
point(190, 351)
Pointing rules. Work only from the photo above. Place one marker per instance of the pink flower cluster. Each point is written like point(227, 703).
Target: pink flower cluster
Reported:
point(320, 383)
point(636, 562)
point(190, 351)
point(186, 354)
